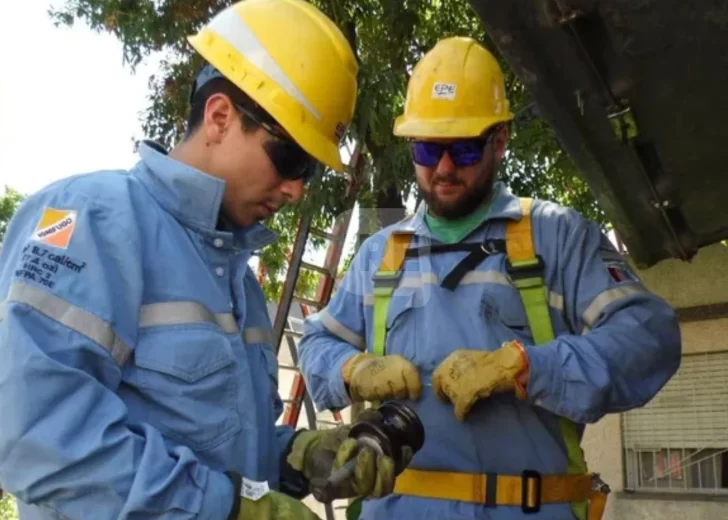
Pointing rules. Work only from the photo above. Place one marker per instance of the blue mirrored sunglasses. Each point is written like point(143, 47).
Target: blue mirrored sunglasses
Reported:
point(463, 152)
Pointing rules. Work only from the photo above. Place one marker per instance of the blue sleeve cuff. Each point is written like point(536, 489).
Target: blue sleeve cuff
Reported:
point(337, 387)
point(545, 385)
point(217, 501)
point(283, 438)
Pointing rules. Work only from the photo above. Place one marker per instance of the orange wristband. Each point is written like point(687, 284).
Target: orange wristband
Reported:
point(520, 388)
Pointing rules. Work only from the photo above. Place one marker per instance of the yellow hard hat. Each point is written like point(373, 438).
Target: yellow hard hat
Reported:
point(456, 91)
point(293, 61)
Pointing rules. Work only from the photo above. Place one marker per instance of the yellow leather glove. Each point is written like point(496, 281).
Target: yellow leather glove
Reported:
point(275, 506)
point(466, 376)
point(318, 453)
point(376, 378)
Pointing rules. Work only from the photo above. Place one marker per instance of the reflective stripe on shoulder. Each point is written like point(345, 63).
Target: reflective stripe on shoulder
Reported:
point(598, 304)
point(71, 316)
point(340, 330)
point(419, 280)
point(178, 313)
point(257, 335)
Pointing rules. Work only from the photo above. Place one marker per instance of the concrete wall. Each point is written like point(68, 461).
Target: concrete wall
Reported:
point(704, 281)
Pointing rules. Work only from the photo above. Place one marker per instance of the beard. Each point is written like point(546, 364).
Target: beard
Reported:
point(468, 202)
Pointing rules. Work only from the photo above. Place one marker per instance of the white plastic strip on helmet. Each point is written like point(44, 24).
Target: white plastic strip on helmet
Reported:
point(233, 30)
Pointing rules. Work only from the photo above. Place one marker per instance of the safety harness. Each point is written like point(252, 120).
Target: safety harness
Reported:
point(585, 492)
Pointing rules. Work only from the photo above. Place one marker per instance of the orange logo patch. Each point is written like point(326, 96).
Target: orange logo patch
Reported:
point(55, 227)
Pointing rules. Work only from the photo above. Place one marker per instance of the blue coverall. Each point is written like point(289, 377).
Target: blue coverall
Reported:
point(135, 351)
point(617, 345)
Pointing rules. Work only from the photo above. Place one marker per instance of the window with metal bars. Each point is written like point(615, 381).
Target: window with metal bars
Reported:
point(679, 441)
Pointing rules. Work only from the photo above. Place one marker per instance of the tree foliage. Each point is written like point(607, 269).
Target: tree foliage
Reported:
point(9, 202)
point(389, 38)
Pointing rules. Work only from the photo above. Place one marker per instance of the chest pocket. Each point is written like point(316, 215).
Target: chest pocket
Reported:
point(501, 306)
point(401, 324)
point(186, 379)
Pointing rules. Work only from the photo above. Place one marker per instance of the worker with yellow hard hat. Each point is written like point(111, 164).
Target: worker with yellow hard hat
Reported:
point(506, 323)
point(138, 376)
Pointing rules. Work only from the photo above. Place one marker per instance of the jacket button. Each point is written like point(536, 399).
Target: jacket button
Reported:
point(219, 271)
point(218, 242)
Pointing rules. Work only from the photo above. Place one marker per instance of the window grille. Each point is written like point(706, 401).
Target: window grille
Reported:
point(679, 441)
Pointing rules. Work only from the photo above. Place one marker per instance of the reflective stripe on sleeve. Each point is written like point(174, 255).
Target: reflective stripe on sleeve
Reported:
point(598, 304)
point(340, 330)
point(72, 317)
point(257, 335)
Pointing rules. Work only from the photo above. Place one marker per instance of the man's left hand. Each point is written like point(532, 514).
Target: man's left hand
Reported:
point(466, 376)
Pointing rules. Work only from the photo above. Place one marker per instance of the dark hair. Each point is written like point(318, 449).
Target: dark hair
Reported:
point(220, 86)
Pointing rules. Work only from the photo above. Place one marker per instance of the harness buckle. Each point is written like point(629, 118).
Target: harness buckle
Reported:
point(527, 498)
point(387, 279)
point(598, 485)
point(526, 269)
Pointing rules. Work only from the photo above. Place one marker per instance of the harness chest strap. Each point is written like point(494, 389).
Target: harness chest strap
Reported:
point(529, 490)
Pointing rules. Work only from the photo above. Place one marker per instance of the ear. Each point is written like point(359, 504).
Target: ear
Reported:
point(219, 115)
point(500, 141)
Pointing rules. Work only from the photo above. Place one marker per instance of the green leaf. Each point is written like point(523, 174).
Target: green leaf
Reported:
point(9, 203)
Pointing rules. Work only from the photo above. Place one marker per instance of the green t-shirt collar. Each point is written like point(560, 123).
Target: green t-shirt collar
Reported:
point(453, 231)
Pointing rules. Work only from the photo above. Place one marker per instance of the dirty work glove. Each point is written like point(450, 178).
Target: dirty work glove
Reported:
point(275, 506)
point(272, 505)
point(376, 378)
point(466, 376)
point(319, 453)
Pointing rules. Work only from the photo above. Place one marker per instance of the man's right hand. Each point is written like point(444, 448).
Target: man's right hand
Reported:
point(275, 506)
point(376, 378)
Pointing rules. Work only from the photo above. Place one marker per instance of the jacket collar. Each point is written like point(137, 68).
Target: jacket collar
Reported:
point(505, 205)
point(192, 196)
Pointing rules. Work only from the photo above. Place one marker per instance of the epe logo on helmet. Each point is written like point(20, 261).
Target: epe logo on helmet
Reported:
point(55, 227)
point(444, 91)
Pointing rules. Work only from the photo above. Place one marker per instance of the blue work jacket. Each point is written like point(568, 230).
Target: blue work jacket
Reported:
point(135, 349)
point(617, 344)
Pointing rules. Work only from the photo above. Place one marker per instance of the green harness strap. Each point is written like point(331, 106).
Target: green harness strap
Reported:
point(386, 280)
point(527, 270)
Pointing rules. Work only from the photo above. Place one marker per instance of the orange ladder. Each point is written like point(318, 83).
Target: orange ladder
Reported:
point(284, 328)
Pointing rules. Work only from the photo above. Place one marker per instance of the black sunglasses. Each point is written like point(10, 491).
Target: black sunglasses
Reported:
point(290, 160)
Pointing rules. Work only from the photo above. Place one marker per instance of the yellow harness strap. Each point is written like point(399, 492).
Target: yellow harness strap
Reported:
point(386, 280)
point(526, 270)
point(519, 238)
point(528, 492)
